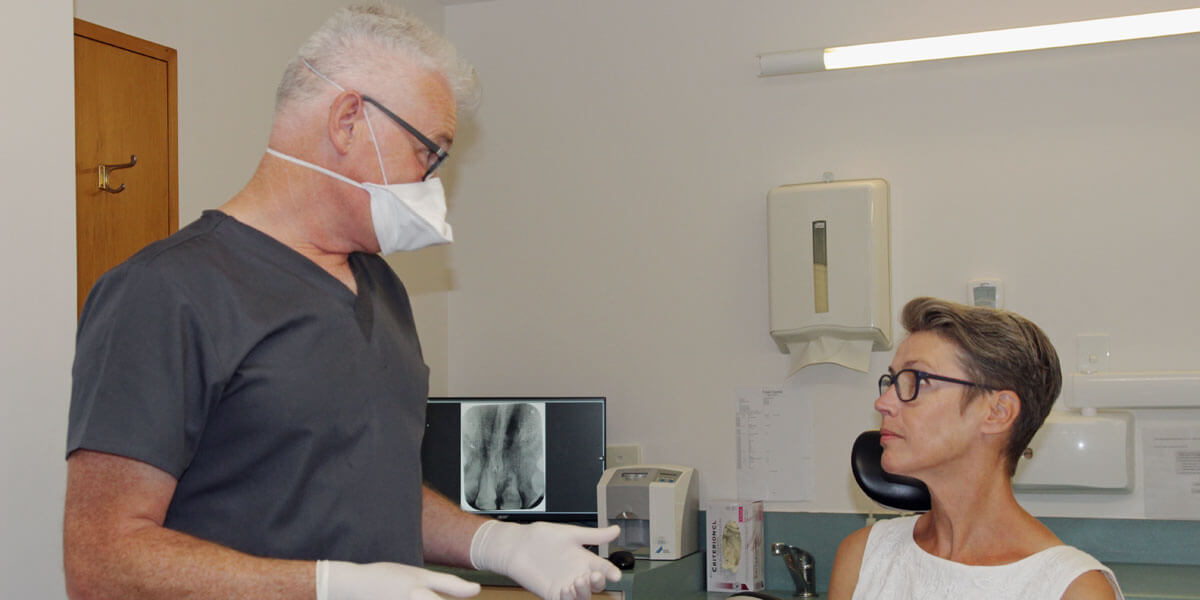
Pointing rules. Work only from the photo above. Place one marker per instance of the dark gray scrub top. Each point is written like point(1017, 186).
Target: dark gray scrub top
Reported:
point(289, 409)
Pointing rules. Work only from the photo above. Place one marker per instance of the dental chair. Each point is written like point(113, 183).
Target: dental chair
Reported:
point(892, 491)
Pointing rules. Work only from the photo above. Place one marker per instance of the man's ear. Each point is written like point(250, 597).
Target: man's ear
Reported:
point(1003, 408)
point(345, 114)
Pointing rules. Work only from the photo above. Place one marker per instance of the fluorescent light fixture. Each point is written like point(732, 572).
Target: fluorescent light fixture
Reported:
point(812, 60)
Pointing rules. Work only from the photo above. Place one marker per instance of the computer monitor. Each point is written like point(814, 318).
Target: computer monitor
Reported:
point(521, 459)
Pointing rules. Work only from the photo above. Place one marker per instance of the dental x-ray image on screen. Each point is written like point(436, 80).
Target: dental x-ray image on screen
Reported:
point(503, 457)
point(573, 440)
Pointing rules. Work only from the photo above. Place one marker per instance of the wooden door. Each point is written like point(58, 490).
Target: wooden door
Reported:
point(125, 105)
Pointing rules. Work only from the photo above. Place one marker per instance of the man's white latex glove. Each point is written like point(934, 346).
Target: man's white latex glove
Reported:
point(547, 559)
point(338, 580)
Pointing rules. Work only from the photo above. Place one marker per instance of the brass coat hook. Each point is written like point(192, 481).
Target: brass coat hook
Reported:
point(104, 170)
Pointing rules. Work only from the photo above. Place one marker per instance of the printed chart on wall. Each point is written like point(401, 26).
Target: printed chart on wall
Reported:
point(1171, 457)
point(774, 444)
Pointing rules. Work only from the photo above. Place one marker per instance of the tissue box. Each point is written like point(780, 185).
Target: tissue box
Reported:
point(734, 534)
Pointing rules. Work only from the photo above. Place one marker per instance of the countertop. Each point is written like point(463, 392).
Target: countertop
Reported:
point(647, 579)
point(683, 580)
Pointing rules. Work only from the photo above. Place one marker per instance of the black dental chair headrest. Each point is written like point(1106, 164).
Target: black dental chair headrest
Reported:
point(893, 491)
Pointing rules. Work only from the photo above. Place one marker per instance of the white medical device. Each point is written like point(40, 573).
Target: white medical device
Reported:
point(656, 507)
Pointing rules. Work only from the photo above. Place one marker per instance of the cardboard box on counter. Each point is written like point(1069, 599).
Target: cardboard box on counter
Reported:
point(734, 540)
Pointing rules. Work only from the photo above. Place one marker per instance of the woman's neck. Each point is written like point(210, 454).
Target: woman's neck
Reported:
point(975, 519)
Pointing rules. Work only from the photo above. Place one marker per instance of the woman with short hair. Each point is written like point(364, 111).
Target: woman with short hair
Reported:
point(964, 394)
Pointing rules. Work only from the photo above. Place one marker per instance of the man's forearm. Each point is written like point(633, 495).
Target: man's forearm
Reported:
point(153, 562)
point(115, 545)
point(446, 530)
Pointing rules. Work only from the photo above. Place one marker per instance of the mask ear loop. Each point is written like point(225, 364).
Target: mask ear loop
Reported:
point(374, 141)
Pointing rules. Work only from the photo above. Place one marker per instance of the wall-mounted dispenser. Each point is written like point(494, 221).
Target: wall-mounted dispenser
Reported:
point(1079, 453)
point(830, 271)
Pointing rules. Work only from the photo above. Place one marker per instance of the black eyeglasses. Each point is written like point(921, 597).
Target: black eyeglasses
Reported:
point(436, 153)
point(908, 383)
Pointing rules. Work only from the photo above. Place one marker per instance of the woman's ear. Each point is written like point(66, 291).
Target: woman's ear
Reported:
point(1003, 408)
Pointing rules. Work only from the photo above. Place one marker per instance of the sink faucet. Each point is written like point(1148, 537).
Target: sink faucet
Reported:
point(800, 565)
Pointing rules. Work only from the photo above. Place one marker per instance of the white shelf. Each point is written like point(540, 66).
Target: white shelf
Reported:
point(1141, 389)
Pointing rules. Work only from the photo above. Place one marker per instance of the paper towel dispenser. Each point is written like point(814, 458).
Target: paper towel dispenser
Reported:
point(1076, 453)
point(829, 265)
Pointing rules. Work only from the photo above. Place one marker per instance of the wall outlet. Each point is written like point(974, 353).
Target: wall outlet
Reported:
point(622, 456)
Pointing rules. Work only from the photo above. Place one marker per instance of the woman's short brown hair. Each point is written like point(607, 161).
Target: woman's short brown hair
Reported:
point(1000, 350)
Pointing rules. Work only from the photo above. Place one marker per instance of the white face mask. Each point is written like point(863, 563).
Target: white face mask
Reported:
point(407, 216)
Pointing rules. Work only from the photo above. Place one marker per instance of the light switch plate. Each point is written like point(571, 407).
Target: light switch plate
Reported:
point(623, 456)
point(1092, 353)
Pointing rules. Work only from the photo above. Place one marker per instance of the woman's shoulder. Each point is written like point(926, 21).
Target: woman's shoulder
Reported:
point(1069, 573)
point(883, 529)
point(1092, 585)
point(1092, 579)
point(854, 547)
point(856, 541)
point(847, 564)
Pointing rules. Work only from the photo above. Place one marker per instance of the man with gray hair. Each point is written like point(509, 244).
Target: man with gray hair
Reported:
point(248, 394)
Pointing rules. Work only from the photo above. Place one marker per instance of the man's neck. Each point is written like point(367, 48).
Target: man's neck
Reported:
point(255, 207)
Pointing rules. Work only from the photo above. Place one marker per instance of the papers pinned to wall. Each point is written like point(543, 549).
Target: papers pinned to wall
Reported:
point(1171, 458)
point(774, 444)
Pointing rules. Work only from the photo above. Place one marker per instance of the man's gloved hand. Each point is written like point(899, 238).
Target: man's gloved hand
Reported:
point(338, 580)
point(547, 559)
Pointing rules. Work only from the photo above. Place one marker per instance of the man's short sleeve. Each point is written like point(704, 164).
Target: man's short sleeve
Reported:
point(144, 379)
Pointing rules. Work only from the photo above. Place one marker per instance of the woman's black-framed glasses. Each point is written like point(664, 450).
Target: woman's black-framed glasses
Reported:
point(437, 154)
point(908, 383)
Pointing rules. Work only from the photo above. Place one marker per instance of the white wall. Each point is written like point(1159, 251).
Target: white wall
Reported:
point(610, 204)
point(37, 306)
point(230, 57)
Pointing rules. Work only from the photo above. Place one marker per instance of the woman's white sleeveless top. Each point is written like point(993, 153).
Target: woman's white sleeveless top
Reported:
point(894, 566)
